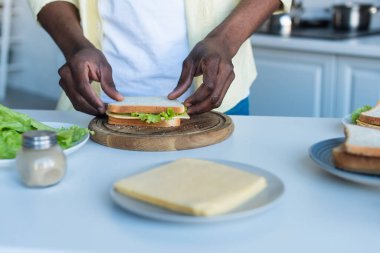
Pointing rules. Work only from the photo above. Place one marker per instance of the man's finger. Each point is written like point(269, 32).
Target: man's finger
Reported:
point(200, 100)
point(204, 106)
point(76, 99)
point(108, 84)
point(225, 88)
point(83, 86)
point(210, 69)
point(223, 83)
point(185, 80)
point(214, 99)
point(198, 96)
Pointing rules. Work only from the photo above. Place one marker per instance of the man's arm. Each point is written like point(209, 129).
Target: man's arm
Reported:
point(212, 57)
point(84, 63)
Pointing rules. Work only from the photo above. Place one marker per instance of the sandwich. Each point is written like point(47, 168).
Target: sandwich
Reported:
point(367, 116)
point(370, 118)
point(360, 151)
point(147, 112)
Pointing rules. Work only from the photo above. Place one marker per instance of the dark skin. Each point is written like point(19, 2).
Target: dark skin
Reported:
point(211, 57)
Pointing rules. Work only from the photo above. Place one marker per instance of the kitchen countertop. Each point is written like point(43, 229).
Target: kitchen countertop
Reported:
point(318, 213)
point(368, 46)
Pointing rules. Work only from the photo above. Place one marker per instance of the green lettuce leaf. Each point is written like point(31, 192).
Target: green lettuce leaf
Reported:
point(13, 124)
point(156, 118)
point(10, 142)
point(355, 114)
point(66, 137)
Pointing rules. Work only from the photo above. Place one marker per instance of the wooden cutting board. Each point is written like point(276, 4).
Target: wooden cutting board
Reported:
point(199, 131)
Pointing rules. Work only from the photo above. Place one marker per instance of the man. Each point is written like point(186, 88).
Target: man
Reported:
point(146, 41)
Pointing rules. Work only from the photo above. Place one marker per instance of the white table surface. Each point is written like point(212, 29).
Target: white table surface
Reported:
point(319, 212)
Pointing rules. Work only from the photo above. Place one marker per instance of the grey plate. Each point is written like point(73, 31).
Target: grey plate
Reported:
point(321, 153)
point(261, 202)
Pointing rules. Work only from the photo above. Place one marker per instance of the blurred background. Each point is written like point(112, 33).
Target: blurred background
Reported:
point(309, 63)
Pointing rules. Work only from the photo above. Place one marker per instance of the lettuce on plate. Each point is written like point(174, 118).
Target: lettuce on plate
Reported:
point(13, 124)
point(355, 114)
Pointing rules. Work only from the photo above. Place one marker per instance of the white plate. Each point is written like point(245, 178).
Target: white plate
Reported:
point(347, 120)
point(321, 154)
point(78, 145)
point(261, 202)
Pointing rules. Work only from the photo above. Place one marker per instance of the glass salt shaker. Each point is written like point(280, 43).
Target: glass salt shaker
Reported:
point(41, 161)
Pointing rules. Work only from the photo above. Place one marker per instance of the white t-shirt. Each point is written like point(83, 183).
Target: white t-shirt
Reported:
point(145, 41)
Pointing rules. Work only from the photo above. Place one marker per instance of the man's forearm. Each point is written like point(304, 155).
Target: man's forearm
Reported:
point(245, 19)
point(61, 20)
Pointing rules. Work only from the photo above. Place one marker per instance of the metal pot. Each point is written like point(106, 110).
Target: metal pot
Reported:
point(353, 16)
point(280, 23)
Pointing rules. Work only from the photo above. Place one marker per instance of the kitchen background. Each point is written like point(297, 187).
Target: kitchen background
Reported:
point(297, 77)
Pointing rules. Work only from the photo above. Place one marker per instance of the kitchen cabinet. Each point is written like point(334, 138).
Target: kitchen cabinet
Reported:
point(358, 83)
point(315, 78)
point(7, 13)
point(293, 84)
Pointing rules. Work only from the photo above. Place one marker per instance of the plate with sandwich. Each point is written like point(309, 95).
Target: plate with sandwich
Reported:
point(158, 124)
point(355, 157)
point(198, 191)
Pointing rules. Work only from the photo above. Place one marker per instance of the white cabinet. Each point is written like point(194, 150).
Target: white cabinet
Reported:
point(7, 13)
point(292, 83)
point(299, 83)
point(358, 83)
point(5, 22)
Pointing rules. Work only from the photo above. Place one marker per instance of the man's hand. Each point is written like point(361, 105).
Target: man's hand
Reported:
point(82, 68)
point(212, 59)
point(84, 64)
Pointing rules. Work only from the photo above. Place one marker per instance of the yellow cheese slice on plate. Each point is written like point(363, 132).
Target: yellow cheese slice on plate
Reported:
point(194, 187)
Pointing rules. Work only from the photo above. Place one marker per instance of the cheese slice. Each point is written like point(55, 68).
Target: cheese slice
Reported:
point(194, 187)
point(361, 123)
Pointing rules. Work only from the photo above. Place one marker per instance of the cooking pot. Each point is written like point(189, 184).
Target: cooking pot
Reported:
point(353, 16)
point(280, 23)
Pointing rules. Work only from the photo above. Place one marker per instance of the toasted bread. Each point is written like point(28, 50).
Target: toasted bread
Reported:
point(146, 105)
point(371, 117)
point(137, 122)
point(362, 141)
point(355, 163)
point(360, 123)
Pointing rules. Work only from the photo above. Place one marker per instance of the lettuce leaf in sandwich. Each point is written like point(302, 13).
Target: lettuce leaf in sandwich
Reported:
point(156, 118)
point(355, 114)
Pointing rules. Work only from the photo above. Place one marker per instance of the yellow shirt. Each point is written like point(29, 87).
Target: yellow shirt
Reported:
point(202, 16)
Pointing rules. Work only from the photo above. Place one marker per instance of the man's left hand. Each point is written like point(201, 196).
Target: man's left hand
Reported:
point(212, 59)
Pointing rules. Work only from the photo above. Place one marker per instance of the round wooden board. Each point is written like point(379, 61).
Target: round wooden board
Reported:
point(199, 131)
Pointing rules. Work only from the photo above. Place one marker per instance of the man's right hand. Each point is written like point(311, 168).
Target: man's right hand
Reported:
point(84, 64)
point(81, 69)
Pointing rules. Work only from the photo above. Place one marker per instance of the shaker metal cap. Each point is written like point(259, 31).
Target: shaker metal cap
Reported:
point(39, 139)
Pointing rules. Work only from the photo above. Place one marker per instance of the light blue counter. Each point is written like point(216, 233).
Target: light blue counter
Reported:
point(361, 47)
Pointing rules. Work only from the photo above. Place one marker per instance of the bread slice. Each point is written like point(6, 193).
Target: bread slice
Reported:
point(362, 141)
point(175, 122)
point(372, 116)
point(360, 123)
point(193, 186)
point(146, 105)
point(355, 163)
